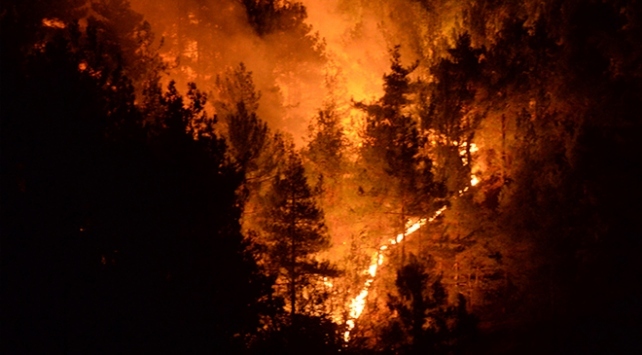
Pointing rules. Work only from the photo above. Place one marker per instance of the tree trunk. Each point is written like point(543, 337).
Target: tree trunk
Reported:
point(292, 260)
point(503, 147)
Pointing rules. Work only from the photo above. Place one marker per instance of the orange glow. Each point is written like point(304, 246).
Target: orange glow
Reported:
point(357, 55)
point(327, 283)
point(357, 37)
point(53, 23)
point(354, 43)
point(464, 148)
point(358, 303)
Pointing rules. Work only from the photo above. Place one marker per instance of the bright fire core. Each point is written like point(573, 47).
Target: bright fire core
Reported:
point(358, 303)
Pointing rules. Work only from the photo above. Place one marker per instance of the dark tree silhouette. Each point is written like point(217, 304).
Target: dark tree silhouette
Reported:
point(118, 218)
point(296, 228)
point(423, 322)
point(391, 150)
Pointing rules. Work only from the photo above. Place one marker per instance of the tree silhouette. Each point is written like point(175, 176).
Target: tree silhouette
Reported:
point(327, 141)
point(450, 114)
point(423, 322)
point(392, 147)
point(296, 228)
point(123, 209)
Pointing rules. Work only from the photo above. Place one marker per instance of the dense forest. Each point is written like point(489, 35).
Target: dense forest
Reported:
point(321, 177)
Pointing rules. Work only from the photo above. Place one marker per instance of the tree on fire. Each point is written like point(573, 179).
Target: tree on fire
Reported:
point(252, 147)
point(327, 142)
point(391, 136)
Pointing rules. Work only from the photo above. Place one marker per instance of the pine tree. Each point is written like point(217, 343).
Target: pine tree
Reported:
point(450, 114)
point(296, 229)
point(392, 147)
point(327, 143)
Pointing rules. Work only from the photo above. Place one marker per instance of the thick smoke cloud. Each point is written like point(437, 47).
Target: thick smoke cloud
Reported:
point(211, 37)
point(300, 54)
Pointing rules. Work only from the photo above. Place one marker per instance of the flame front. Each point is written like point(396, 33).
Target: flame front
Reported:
point(359, 302)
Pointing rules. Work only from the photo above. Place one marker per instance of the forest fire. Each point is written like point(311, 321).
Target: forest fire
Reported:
point(230, 176)
point(358, 304)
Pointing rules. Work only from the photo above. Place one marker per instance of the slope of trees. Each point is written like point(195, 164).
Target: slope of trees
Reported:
point(532, 98)
point(136, 220)
point(510, 112)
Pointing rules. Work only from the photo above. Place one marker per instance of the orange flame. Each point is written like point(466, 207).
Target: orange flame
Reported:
point(358, 303)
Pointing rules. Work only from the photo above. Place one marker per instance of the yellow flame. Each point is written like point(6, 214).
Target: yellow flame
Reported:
point(358, 303)
point(327, 282)
point(372, 270)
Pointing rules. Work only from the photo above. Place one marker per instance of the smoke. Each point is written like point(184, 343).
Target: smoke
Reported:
point(338, 52)
point(355, 45)
point(207, 38)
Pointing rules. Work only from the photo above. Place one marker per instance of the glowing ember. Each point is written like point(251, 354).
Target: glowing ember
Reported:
point(53, 23)
point(327, 282)
point(372, 270)
point(474, 180)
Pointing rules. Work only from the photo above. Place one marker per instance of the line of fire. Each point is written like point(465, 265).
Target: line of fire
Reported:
point(321, 177)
